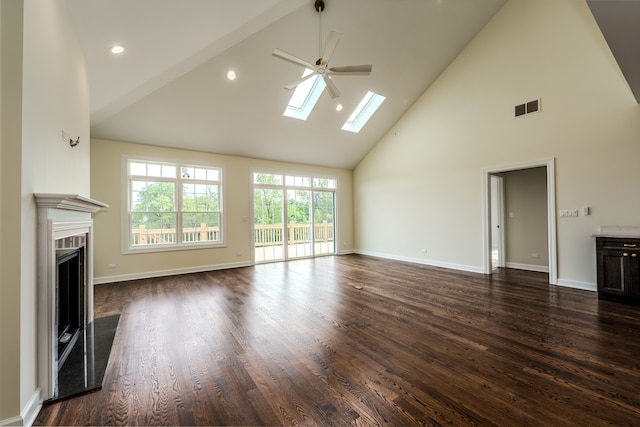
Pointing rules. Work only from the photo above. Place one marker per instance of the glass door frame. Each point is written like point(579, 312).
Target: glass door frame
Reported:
point(285, 210)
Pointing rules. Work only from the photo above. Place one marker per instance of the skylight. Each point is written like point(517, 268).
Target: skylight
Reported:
point(305, 96)
point(363, 112)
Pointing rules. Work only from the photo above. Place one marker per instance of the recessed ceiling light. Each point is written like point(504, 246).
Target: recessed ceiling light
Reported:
point(231, 75)
point(339, 107)
point(116, 49)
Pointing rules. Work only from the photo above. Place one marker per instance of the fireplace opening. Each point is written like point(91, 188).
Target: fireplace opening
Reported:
point(70, 316)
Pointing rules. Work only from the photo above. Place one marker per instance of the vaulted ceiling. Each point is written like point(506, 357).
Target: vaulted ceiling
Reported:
point(169, 88)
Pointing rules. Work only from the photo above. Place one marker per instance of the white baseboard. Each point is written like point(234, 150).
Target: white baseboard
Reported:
point(161, 273)
point(31, 410)
point(432, 263)
point(347, 252)
point(543, 269)
point(530, 267)
point(586, 286)
point(28, 415)
point(15, 421)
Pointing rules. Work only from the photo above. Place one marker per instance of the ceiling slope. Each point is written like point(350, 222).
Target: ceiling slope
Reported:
point(169, 89)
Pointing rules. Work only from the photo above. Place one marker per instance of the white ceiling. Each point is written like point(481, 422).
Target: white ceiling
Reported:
point(169, 87)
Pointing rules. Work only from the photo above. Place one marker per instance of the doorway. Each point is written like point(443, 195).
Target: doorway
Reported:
point(489, 184)
point(293, 216)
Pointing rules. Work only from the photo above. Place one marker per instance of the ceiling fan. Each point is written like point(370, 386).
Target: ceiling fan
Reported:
point(321, 66)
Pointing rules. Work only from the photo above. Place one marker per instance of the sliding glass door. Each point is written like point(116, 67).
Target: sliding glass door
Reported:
point(267, 219)
point(323, 223)
point(299, 230)
point(307, 203)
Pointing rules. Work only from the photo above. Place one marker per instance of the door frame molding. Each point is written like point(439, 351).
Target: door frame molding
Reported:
point(501, 219)
point(551, 212)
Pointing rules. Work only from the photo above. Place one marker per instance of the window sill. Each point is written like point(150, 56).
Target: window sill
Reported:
point(171, 248)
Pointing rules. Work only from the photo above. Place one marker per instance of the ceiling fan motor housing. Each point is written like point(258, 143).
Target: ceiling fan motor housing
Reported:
point(321, 67)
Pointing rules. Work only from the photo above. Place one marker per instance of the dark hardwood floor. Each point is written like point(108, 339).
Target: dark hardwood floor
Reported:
point(297, 344)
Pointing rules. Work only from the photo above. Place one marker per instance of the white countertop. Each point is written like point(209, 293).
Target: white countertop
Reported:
point(621, 231)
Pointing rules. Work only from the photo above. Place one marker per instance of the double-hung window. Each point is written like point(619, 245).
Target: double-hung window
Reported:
point(173, 206)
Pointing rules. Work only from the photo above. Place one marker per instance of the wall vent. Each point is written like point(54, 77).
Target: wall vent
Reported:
point(527, 108)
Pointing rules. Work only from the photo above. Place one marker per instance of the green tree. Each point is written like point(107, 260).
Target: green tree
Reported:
point(200, 205)
point(267, 206)
point(267, 202)
point(323, 206)
point(154, 205)
point(298, 206)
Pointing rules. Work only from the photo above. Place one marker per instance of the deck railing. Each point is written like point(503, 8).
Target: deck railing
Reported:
point(149, 236)
point(272, 235)
point(264, 235)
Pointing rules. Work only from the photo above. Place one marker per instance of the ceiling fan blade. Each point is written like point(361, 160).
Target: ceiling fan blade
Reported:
point(330, 46)
point(352, 69)
point(291, 58)
point(331, 87)
point(297, 82)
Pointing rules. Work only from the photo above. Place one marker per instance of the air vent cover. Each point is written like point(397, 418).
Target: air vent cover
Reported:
point(527, 108)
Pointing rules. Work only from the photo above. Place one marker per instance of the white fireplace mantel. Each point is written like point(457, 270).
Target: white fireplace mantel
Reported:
point(71, 202)
point(59, 216)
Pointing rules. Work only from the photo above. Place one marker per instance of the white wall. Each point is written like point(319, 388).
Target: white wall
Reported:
point(106, 186)
point(421, 186)
point(54, 97)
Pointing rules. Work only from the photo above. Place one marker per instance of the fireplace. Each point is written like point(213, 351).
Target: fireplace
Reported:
point(65, 282)
point(70, 295)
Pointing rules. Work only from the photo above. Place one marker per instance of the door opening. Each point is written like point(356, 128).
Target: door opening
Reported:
point(489, 201)
point(293, 216)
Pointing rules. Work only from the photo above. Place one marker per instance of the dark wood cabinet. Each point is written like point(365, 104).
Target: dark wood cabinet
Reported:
point(618, 268)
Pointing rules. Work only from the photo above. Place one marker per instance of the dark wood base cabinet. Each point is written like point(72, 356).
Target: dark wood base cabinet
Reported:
point(618, 268)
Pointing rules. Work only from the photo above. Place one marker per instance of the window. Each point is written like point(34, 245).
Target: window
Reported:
point(305, 96)
point(173, 206)
point(363, 112)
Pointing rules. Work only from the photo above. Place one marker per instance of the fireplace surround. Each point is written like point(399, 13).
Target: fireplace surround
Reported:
point(65, 234)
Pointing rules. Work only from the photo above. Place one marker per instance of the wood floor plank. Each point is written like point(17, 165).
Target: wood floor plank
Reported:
point(298, 343)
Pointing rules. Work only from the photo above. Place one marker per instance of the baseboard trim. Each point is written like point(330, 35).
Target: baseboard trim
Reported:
point(347, 252)
point(162, 273)
point(28, 414)
point(15, 421)
point(585, 286)
point(431, 263)
point(530, 267)
point(31, 410)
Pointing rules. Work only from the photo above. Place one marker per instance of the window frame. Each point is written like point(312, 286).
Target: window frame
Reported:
point(127, 247)
point(312, 188)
